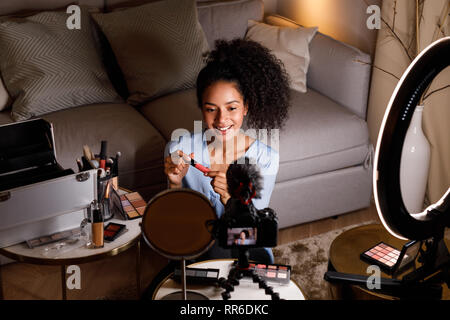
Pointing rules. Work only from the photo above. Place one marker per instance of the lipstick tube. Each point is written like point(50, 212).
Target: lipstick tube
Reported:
point(193, 163)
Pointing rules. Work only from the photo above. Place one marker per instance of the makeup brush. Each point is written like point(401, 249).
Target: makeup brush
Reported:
point(80, 165)
point(88, 155)
point(87, 152)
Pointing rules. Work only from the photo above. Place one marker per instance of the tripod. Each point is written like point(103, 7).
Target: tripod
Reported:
point(240, 270)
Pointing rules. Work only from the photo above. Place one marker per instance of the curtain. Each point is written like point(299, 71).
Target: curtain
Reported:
point(398, 44)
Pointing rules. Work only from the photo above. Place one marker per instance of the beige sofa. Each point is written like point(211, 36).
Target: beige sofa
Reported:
point(325, 154)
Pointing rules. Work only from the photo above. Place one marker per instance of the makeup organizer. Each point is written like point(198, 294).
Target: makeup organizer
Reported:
point(107, 177)
point(37, 196)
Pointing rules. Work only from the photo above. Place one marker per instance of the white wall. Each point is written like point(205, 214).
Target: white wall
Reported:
point(344, 20)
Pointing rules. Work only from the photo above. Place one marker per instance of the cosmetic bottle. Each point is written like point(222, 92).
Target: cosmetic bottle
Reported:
point(97, 225)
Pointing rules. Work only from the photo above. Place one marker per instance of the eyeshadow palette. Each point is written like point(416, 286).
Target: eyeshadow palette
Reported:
point(272, 272)
point(133, 205)
point(113, 231)
point(390, 259)
point(53, 237)
point(198, 275)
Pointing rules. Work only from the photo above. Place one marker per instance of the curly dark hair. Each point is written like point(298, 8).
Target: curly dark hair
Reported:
point(260, 78)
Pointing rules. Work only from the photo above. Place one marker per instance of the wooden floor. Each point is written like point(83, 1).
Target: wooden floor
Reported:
point(116, 277)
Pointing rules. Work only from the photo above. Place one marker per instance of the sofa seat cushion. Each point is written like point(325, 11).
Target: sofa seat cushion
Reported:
point(178, 110)
point(320, 136)
point(141, 145)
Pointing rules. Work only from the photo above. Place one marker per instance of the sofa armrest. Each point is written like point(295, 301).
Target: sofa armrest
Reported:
point(340, 72)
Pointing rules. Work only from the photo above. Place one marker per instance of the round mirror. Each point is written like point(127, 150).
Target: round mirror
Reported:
point(174, 224)
point(386, 177)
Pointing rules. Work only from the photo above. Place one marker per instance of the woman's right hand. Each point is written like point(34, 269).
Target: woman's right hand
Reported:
point(176, 169)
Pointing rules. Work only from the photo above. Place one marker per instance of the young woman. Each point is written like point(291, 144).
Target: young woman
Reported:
point(242, 82)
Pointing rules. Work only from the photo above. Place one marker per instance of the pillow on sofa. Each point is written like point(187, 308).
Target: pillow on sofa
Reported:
point(290, 45)
point(159, 46)
point(47, 67)
point(4, 97)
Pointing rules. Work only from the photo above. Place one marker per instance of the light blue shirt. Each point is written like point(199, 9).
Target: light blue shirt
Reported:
point(267, 160)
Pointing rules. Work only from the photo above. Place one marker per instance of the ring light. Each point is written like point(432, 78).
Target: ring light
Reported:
point(386, 175)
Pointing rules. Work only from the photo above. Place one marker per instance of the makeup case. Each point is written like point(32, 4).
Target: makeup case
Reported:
point(37, 196)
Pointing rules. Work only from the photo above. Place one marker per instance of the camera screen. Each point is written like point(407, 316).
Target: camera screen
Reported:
point(241, 236)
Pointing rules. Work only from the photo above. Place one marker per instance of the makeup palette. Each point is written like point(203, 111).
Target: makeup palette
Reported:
point(198, 275)
point(53, 237)
point(113, 231)
point(133, 205)
point(272, 272)
point(390, 259)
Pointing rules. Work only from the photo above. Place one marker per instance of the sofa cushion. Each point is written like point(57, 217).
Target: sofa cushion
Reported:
point(320, 136)
point(175, 111)
point(159, 46)
point(337, 70)
point(290, 45)
point(141, 145)
point(47, 67)
point(228, 19)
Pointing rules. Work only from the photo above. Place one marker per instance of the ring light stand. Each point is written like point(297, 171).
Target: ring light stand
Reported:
point(431, 223)
point(174, 225)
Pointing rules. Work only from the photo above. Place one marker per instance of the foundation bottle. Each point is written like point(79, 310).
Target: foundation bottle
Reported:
point(97, 225)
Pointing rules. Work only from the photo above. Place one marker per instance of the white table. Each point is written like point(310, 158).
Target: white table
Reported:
point(246, 290)
point(81, 254)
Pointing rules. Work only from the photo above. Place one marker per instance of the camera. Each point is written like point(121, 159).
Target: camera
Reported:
point(242, 225)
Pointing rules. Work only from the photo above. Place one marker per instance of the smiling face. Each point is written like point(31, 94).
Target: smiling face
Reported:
point(223, 109)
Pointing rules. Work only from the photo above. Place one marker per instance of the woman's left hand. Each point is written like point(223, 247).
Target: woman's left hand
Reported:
point(219, 184)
